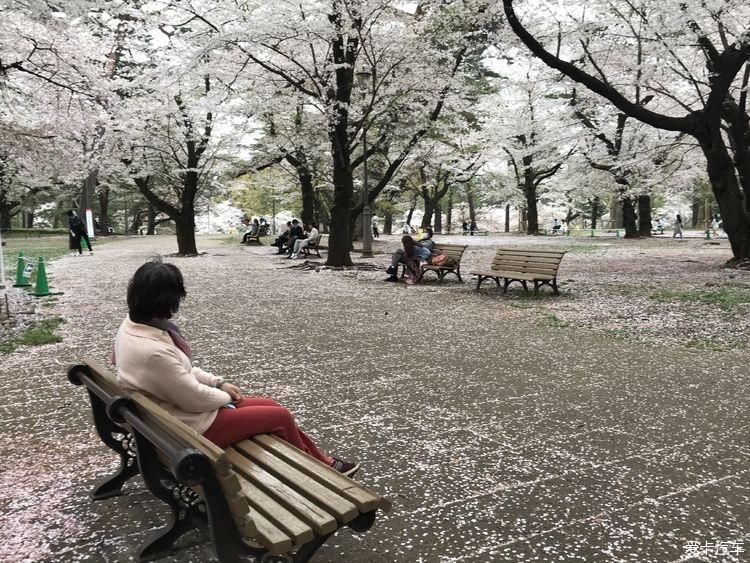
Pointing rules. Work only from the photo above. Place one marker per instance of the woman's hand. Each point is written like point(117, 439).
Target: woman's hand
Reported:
point(233, 391)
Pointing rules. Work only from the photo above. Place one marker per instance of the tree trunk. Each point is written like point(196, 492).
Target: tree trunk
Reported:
point(185, 225)
point(449, 212)
point(595, 204)
point(532, 213)
point(104, 211)
point(5, 217)
point(628, 218)
point(438, 218)
point(644, 215)
point(28, 219)
point(724, 183)
point(695, 211)
point(87, 193)
point(308, 194)
point(507, 217)
point(151, 220)
point(429, 209)
point(340, 239)
point(388, 222)
point(412, 207)
point(472, 209)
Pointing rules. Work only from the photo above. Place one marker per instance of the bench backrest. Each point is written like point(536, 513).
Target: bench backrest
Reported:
point(315, 242)
point(453, 251)
point(157, 417)
point(527, 260)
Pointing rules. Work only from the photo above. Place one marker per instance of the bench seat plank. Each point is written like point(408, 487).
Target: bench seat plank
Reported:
point(365, 499)
point(275, 515)
point(329, 500)
point(321, 521)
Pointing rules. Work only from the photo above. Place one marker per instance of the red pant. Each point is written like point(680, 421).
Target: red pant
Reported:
point(255, 415)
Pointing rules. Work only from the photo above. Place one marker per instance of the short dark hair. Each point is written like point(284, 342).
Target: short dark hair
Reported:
point(70, 212)
point(294, 222)
point(429, 232)
point(155, 291)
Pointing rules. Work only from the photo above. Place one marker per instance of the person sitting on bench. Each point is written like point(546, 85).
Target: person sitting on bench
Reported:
point(296, 232)
point(251, 229)
point(153, 357)
point(282, 239)
point(556, 226)
point(300, 243)
point(399, 257)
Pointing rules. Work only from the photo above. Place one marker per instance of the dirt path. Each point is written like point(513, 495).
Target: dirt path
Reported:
point(499, 433)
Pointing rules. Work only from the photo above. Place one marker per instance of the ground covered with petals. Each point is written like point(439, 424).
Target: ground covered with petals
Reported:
point(605, 424)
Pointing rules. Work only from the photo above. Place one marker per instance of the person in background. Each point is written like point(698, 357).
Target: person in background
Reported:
point(556, 226)
point(472, 227)
point(78, 231)
point(300, 243)
point(296, 232)
point(283, 238)
point(677, 226)
point(375, 231)
point(464, 227)
point(153, 357)
point(400, 257)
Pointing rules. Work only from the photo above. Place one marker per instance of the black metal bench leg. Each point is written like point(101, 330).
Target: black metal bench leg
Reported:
point(505, 285)
point(108, 432)
point(112, 486)
point(160, 543)
point(181, 501)
point(554, 287)
point(526, 287)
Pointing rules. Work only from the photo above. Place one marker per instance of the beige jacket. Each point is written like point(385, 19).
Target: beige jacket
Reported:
point(149, 362)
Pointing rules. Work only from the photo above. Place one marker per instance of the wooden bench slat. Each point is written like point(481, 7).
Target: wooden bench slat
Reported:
point(534, 259)
point(530, 251)
point(516, 267)
point(274, 539)
point(321, 521)
point(363, 498)
point(276, 513)
point(531, 276)
point(329, 500)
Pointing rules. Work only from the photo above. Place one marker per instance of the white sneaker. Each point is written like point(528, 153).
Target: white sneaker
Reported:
point(294, 256)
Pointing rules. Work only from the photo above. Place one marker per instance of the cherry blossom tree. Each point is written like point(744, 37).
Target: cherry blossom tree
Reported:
point(714, 114)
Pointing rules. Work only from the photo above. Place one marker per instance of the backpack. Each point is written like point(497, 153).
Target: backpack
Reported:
point(442, 260)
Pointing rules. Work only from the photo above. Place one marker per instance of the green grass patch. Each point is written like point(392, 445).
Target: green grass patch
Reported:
point(49, 246)
point(554, 321)
point(724, 298)
point(38, 334)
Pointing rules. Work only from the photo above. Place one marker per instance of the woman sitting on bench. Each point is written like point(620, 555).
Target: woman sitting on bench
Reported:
point(154, 358)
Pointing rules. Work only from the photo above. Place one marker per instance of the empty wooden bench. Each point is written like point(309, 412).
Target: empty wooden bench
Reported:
point(454, 252)
point(523, 265)
point(261, 497)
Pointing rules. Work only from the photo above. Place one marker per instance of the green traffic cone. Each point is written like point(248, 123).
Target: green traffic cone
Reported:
point(42, 288)
point(21, 279)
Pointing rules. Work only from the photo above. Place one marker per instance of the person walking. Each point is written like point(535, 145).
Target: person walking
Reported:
point(78, 230)
point(677, 227)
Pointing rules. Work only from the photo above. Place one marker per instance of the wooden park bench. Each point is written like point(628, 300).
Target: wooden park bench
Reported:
point(523, 265)
point(475, 233)
point(313, 246)
point(252, 236)
point(261, 497)
point(454, 252)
